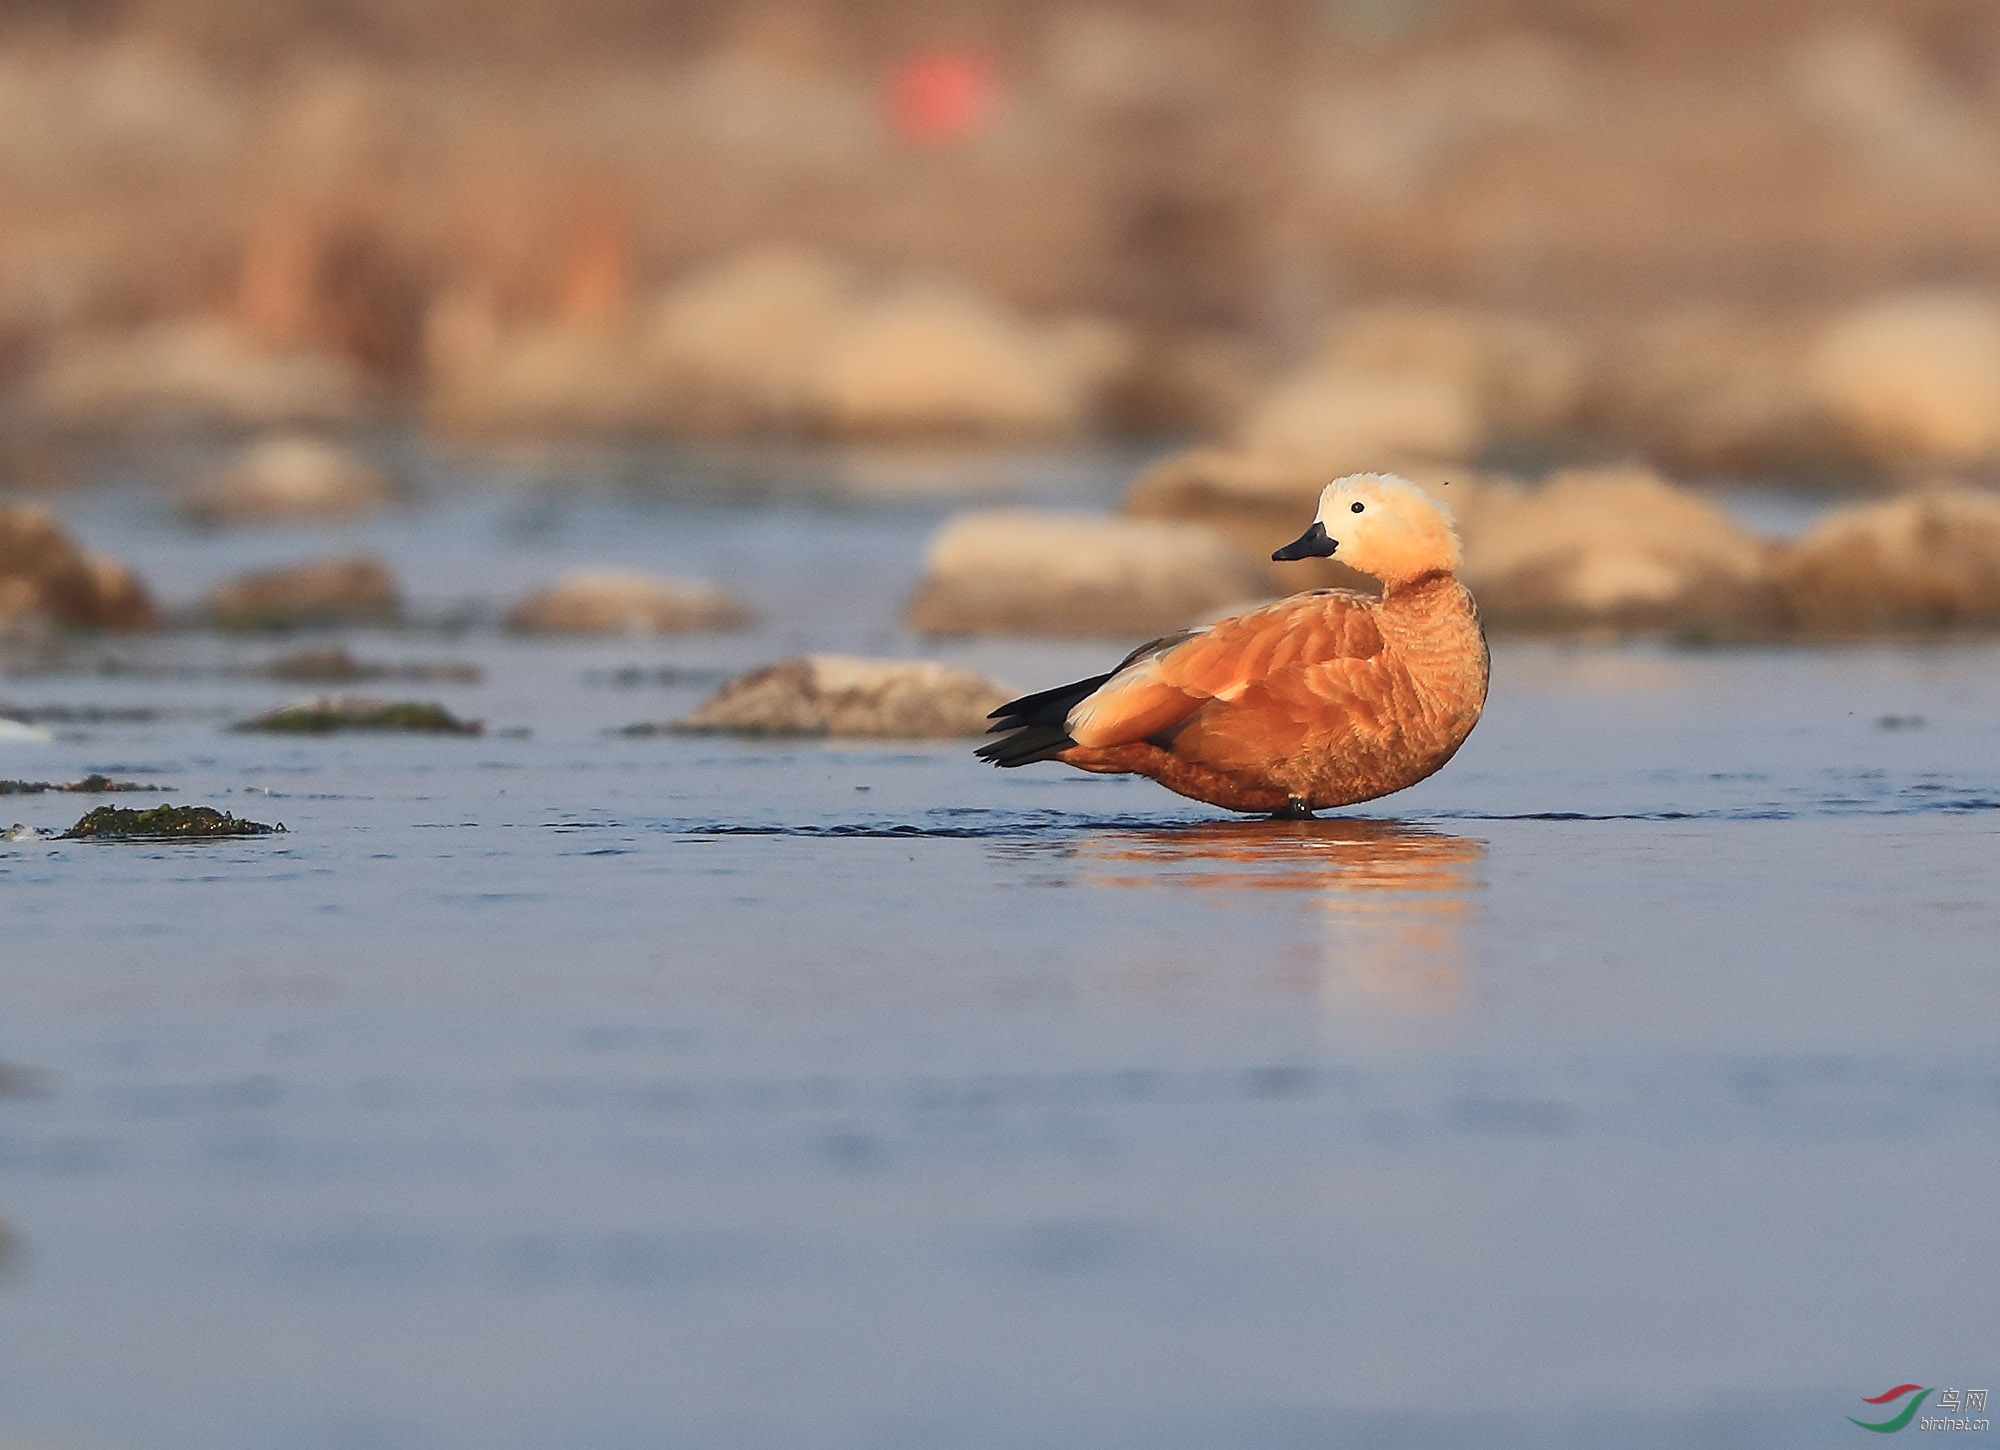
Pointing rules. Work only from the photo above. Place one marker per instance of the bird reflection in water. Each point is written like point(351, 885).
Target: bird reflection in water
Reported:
point(8, 1245)
point(1392, 902)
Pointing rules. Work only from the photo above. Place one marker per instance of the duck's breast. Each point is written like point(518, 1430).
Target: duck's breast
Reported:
point(1440, 665)
point(1405, 717)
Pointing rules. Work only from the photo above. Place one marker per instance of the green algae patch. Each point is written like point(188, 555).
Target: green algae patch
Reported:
point(335, 714)
point(163, 823)
point(89, 785)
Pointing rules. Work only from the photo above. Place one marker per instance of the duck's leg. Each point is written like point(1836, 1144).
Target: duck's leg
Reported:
point(1295, 809)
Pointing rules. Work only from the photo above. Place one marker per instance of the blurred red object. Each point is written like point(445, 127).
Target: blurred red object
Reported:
point(941, 97)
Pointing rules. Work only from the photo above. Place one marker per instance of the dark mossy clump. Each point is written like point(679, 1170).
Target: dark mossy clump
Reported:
point(89, 785)
point(103, 784)
point(326, 716)
point(162, 823)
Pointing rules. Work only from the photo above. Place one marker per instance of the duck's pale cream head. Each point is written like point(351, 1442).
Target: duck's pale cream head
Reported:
point(1381, 525)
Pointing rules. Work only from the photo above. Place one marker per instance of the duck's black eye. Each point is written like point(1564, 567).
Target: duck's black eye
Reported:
point(1357, 508)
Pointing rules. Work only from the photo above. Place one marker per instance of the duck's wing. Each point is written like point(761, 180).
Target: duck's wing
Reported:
point(1036, 727)
point(1322, 647)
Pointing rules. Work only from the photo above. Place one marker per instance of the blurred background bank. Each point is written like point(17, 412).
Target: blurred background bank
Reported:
point(1688, 230)
point(1703, 241)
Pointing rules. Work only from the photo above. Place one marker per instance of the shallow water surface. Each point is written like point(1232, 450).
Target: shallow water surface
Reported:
point(1632, 1081)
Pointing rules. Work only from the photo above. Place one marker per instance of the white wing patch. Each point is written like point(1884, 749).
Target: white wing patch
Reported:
point(1081, 714)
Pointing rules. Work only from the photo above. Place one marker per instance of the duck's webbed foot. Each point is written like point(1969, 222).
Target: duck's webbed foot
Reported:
point(1295, 809)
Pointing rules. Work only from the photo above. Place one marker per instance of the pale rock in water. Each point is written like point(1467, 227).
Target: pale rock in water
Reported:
point(623, 601)
point(290, 478)
point(843, 695)
point(1927, 560)
point(1617, 549)
point(358, 589)
point(1016, 572)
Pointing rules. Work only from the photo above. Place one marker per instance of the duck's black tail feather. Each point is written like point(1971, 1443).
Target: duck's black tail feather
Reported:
point(1035, 727)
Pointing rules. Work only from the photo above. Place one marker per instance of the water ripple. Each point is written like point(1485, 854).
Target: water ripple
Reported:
point(953, 824)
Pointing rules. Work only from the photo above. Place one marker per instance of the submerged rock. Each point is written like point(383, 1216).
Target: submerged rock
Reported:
point(1009, 572)
point(358, 589)
point(1924, 561)
point(286, 479)
point(1915, 379)
point(843, 695)
point(329, 714)
point(162, 823)
point(623, 601)
point(1618, 549)
point(88, 785)
point(46, 580)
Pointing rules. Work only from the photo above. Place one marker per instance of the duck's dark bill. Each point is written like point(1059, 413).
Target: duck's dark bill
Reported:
point(1312, 544)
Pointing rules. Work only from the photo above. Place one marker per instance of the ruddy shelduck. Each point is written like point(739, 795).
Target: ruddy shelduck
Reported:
point(1323, 699)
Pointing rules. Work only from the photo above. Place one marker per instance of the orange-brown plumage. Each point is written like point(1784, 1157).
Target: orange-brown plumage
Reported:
point(1322, 699)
